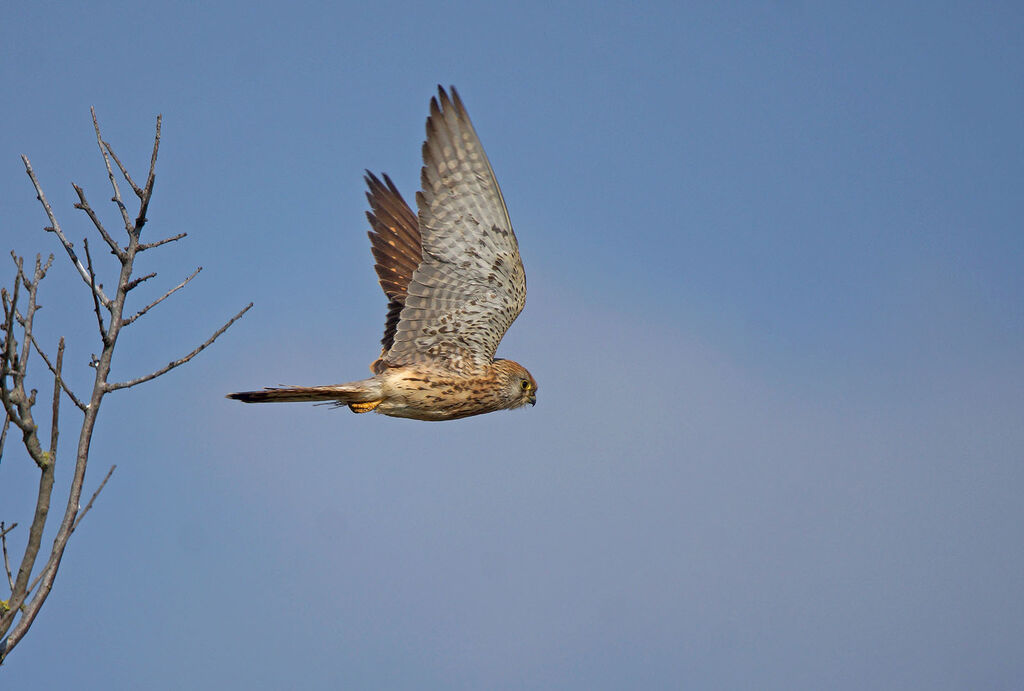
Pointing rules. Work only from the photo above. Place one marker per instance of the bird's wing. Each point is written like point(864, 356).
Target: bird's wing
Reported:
point(395, 242)
point(470, 285)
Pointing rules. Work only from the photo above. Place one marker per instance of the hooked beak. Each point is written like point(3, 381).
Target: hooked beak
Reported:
point(532, 400)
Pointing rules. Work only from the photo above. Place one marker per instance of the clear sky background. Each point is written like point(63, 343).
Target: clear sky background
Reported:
point(776, 312)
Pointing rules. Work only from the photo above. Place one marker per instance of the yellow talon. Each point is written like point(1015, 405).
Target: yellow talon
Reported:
point(364, 407)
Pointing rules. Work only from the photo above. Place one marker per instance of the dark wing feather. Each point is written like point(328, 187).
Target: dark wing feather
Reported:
point(397, 249)
point(470, 285)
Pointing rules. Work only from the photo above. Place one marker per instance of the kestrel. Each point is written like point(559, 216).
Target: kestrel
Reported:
point(454, 281)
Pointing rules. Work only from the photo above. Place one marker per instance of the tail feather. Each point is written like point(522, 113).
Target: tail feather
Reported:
point(342, 393)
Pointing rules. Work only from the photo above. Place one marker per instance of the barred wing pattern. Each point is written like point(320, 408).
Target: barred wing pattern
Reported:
point(395, 242)
point(470, 285)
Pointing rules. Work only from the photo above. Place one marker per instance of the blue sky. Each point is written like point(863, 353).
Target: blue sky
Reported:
point(776, 312)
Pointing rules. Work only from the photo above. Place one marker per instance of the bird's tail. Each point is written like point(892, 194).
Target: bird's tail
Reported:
point(366, 391)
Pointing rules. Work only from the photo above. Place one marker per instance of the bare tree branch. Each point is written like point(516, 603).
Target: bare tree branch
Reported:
point(78, 519)
point(7, 562)
point(81, 514)
point(17, 402)
point(92, 285)
point(20, 590)
point(9, 360)
point(3, 435)
point(163, 297)
point(32, 287)
point(124, 171)
point(110, 173)
point(28, 593)
point(147, 193)
point(18, 405)
point(83, 204)
point(54, 227)
point(134, 283)
point(55, 407)
point(150, 245)
point(181, 361)
point(74, 399)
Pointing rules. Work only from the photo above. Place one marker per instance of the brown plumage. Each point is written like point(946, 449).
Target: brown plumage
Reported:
point(454, 282)
point(395, 243)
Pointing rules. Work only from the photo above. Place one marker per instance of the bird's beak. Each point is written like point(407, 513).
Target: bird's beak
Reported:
point(532, 399)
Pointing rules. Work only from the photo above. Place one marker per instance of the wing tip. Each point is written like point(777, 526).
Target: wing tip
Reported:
point(448, 100)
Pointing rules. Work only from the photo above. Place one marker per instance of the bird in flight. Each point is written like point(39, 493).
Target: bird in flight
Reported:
point(454, 281)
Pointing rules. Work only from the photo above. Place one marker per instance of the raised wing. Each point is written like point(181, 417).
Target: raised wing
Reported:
point(470, 285)
point(395, 242)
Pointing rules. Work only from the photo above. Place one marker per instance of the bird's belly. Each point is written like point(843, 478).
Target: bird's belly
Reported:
point(420, 412)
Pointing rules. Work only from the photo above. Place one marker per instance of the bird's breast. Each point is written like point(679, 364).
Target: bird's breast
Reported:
point(423, 394)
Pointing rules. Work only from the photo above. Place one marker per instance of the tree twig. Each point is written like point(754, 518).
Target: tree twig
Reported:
point(74, 399)
point(124, 171)
point(7, 562)
point(181, 361)
point(33, 289)
point(150, 245)
point(163, 297)
point(83, 204)
point(55, 408)
point(110, 174)
point(135, 282)
point(3, 435)
point(54, 228)
point(92, 286)
point(85, 510)
point(147, 193)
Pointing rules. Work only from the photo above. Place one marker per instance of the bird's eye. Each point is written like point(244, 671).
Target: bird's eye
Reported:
point(525, 384)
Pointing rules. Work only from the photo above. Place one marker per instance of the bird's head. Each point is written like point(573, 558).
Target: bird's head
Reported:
point(518, 387)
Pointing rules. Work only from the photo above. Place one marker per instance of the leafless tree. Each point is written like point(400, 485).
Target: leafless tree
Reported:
point(28, 585)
